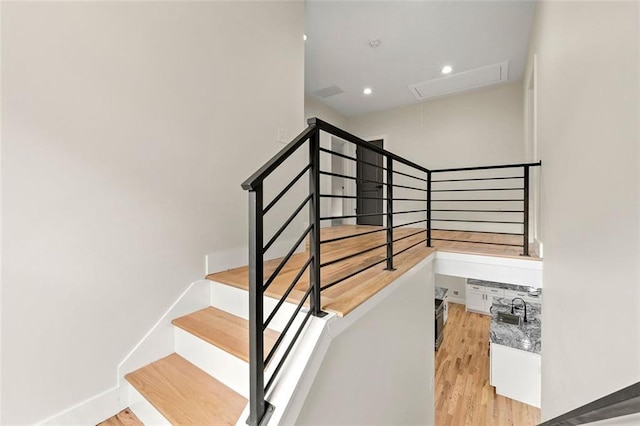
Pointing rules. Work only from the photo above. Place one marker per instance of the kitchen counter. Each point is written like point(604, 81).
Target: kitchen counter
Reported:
point(494, 284)
point(440, 292)
point(525, 336)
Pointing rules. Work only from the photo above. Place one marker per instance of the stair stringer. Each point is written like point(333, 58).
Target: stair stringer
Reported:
point(294, 382)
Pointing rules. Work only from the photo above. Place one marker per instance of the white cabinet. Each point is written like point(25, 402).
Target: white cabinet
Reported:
point(479, 299)
point(516, 374)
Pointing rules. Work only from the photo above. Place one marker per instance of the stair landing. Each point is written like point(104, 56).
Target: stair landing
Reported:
point(184, 394)
point(350, 293)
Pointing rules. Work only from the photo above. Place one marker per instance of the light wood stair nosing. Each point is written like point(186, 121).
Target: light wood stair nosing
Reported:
point(185, 394)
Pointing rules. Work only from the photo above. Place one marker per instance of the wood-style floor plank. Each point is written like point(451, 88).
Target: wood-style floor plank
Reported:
point(463, 395)
point(125, 417)
point(351, 293)
point(186, 395)
point(224, 330)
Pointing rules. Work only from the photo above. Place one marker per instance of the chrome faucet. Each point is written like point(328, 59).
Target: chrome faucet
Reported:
point(525, 307)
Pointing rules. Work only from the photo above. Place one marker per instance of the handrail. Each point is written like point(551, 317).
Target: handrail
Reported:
point(259, 408)
point(335, 131)
point(501, 166)
point(261, 174)
point(624, 402)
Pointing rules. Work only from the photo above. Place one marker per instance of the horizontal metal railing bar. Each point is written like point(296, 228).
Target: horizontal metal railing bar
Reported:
point(370, 214)
point(478, 232)
point(409, 223)
point(352, 274)
point(286, 293)
point(486, 199)
point(351, 177)
point(348, 157)
point(410, 235)
point(433, 219)
point(422, 200)
point(477, 189)
point(410, 247)
point(286, 354)
point(502, 166)
point(409, 187)
point(474, 179)
point(286, 223)
point(346, 237)
point(480, 211)
point(261, 174)
point(329, 128)
point(286, 188)
point(286, 327)
point(286, 258)
point(411, 176)
point(349, 256)
point(476, 242)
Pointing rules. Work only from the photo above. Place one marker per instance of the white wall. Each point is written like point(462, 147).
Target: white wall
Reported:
point(587, 130)
point(454, 284)
point(314, 108)
point(472, 129)
point(127, 129)
point(380, 369)
point(477, 128)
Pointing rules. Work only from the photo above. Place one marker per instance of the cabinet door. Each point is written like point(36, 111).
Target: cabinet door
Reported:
point(475, 300)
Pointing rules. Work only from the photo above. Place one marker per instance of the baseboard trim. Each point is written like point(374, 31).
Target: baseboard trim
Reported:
point(92, 411)
point(160, 339)
point(458, 300)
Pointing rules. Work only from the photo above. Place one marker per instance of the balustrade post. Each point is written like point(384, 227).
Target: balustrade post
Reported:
point(389, 214)
point(429, 209)
point(314, 219)
point(525, 236)
point(257, 405)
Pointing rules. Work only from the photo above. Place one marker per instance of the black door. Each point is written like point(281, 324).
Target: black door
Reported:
point(370, 190)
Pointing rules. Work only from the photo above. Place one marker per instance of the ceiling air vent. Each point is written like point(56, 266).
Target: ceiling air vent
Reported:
point(328, 91)
point(461, 81)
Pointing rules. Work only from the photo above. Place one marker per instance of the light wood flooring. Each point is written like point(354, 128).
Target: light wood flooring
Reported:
point(491, 249)
point(463, 395)
point(123, 418)
point(352, 292)
point(186, 395)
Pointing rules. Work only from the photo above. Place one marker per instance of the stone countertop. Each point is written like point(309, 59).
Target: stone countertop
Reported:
point(504, 286)
point(440, 292)
point(525, 336)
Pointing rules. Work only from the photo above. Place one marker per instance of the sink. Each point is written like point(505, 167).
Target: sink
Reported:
point(508, 318)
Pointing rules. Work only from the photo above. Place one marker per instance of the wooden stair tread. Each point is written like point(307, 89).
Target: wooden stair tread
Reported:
point(224, 330)
point(125, 417)
point(184, 394)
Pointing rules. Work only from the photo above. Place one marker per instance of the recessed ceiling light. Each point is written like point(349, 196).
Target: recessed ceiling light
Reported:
point(304, 37)
point(367, 91)
point(447, 69)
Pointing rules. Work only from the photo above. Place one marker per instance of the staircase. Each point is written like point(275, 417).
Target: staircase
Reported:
point(205, 380)
point(234, 360)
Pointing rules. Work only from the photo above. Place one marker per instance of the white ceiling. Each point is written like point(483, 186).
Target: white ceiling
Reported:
point(417, 39)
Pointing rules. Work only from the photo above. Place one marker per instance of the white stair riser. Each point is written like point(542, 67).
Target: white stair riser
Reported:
point(143, 409)
point(227, 368)
point(236, 302)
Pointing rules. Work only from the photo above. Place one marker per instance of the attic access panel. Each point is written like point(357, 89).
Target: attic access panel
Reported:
point(462, 81)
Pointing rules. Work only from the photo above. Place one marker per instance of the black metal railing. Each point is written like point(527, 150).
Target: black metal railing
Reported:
point(404, 184)
point(486, 200)
point(624, 402)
